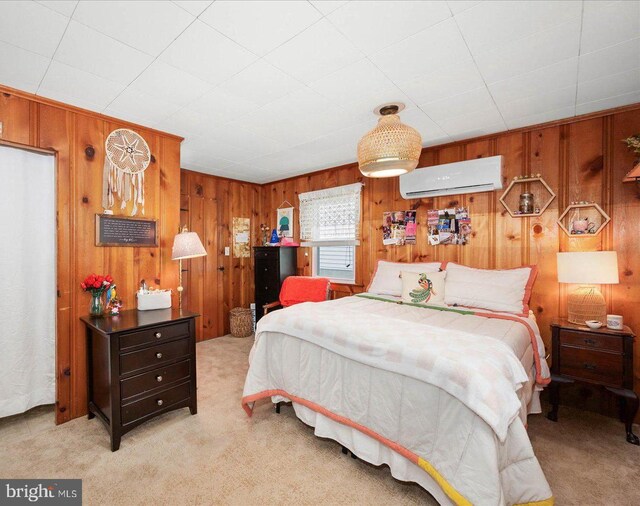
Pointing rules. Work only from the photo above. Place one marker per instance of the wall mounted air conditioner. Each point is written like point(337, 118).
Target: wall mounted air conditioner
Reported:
point(478, 175)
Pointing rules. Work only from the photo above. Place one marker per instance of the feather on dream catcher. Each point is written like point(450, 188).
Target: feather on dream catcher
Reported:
point(127, 156)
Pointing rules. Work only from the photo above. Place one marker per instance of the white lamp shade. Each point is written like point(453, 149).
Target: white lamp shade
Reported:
point(588, 267)
point(187, 245)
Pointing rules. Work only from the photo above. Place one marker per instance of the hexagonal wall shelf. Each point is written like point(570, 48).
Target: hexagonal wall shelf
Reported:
point(543, 195)
point(591, 213)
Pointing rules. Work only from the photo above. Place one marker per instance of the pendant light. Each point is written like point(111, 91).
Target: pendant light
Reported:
point(391, 148)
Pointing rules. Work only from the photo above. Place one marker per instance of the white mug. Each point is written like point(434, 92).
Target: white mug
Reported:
point(614, 321)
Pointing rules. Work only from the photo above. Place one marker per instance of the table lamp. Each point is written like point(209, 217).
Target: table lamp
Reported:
point(186, 245)
point(587, 268)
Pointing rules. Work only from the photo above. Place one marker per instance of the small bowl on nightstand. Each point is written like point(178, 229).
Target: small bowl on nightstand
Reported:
point(593, 324)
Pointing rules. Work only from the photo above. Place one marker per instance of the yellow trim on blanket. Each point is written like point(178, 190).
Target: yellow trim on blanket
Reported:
point(546, 502)
point(444, 484)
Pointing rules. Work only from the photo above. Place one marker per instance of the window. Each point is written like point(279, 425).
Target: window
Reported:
point(335, 262)
point(330, 223)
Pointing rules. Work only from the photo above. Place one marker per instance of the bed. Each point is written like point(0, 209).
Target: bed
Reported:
point(440, 394)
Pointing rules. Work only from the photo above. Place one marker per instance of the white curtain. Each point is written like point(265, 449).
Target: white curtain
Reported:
point(331, 216)
point(27, 280)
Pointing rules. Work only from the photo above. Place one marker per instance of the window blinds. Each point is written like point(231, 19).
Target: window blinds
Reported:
point(331, 216)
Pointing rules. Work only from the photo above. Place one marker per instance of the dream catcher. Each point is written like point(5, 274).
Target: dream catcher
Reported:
point(127, 156)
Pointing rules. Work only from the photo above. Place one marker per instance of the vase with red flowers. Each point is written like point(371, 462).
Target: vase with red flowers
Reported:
point(96, 285)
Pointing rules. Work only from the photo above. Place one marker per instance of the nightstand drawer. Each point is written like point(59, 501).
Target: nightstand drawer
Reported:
point(157, 402)
point(154, 380)
point(154, 356)
point(155, 335)
point(590, 365)
point(591, 340)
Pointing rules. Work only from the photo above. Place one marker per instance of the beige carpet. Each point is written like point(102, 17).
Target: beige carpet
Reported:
point(222, 457)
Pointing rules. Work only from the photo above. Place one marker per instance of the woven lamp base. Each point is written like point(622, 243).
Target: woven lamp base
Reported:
point(586, 303)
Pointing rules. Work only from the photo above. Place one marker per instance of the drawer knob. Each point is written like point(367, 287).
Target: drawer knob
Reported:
point(266, 269)
point(160, 402)
point(158, 335)
point(158, 378)
point(589, 341)
point(158, 355)
point(590, 367)
point(266, 287)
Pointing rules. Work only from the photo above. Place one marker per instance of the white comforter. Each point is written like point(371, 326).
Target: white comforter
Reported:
point(442, 388)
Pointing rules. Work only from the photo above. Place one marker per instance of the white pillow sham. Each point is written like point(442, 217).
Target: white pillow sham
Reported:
point(386, 278)
point(507, 290)
point(423, 287)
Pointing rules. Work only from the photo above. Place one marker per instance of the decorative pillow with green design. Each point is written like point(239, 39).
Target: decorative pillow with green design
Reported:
point(423, 287)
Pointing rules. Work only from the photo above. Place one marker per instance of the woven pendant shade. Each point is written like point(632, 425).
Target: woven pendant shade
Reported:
point(586, 303)
point(391, 148)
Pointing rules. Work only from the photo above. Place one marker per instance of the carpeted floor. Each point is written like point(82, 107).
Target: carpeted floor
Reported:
point(222, 457)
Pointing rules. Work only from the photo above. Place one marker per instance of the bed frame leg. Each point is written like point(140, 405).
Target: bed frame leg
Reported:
point(345, 451)
point(278, 407)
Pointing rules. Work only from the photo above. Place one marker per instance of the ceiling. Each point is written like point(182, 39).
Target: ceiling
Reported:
point(271, 89)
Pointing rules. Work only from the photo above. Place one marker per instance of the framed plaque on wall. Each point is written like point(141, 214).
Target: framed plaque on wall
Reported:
point(124, 231)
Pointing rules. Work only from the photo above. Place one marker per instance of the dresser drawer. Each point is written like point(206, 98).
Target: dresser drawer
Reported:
point(156, 402)
point(592, 365)
point(591, 340)
point(154, 356)
point(154, 335)
point(267, 253)
point(153, 380)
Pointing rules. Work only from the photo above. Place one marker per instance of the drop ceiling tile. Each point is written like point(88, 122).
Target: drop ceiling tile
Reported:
point(535, 104)
point(556, 76)
point(64, 7)
point(426, 51)
point(608, 103)
point(253, 144)
point(260, 84)
point(76, 87)
point(327, 6)
point(493, 24)
point(542, 117)
point(221, 107)
point(452, 80)
point(184, 122)
point(260, 26)
point(465, 103)
point(477, 123)
point(149, 110)
point(609, 61)
point(149, 26)
point(20, 68)
point(315, 53)
point(220, 148)
point(359, 82)
point(171, 84)
point(606, 24)
point(524, 55)
point(206, 54)
point(359, 21)
point(457, 6)
point(609, 86)
point(31, 26)
point(345, 136)
point(205, 159)
point(91, 51)
point(193, 7)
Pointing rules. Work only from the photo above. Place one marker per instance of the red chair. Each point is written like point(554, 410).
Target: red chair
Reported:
point(297, 289)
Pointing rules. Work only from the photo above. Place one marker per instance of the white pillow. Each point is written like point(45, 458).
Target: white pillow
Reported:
point(386, 278)
point(506, 290)
point(423, 287)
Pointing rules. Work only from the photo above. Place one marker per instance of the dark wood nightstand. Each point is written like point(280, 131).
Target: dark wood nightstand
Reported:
point(601, 357)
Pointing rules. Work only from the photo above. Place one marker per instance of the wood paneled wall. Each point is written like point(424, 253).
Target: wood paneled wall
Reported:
point(581, 159)
point(36, 122)
point(215, 284)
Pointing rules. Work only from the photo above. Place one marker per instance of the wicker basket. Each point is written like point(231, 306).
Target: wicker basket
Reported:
point(241, 322)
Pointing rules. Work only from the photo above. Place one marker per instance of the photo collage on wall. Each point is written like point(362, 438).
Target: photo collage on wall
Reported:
point(398, 228)
point(449, 226)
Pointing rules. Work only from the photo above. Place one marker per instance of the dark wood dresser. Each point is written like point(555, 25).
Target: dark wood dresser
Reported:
point(272, 265)
point(600, 357)
point(140, 364)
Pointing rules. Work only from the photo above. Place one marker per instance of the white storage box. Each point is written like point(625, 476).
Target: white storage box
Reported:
point(157, 299)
